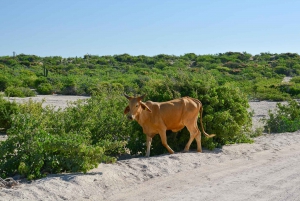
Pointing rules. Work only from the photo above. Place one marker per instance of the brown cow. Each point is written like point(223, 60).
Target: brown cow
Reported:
point(158, 117)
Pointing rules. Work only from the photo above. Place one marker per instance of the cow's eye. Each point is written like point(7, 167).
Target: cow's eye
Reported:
point(136, 105)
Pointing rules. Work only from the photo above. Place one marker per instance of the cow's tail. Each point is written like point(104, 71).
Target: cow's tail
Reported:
point(201, 111)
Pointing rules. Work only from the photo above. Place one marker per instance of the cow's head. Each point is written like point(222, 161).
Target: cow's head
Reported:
point(135, 107)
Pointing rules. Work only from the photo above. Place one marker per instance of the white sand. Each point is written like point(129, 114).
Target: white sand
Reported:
point(265, 170)
point(55, 100)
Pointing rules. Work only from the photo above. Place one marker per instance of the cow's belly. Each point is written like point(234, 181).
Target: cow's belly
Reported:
point(173, 122)
point(155, 129)
point(177, 129)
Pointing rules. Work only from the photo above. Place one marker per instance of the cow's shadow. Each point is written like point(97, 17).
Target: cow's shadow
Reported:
point(176, 154)
point(71, 176)
point(63, 176)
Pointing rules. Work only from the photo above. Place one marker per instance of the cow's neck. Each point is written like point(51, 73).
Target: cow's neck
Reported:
point(141, 117)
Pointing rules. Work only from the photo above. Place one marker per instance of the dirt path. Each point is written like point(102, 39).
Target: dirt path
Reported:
point(55, 100)
point(266, 175)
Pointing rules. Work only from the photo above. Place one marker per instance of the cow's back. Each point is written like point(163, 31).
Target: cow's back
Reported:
point(173, 114)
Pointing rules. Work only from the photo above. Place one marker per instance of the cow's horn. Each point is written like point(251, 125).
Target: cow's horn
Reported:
point(128, 97)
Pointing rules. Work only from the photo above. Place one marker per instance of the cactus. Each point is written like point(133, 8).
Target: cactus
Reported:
point(45, 71)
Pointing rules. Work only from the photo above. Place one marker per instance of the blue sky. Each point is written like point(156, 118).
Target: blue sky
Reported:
point(140, 27)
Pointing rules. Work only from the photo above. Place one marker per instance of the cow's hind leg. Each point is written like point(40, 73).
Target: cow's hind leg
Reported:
point(198, 140)
point(194, 134)
point(163, 137)
point(148, 142)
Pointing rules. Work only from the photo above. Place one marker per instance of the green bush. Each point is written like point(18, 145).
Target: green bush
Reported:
point(282, 70)
point(276, 96)
point(45, 88)
point(19, 92)
point(6, 110)
point(286, 118)
point(45, 140)
point(226, 115)
point(296, 79)
point(102, 115)
point(268, 89)
point(105, 87)
point(14, 92)
point(70, 86)
point(4, 83)
point(40, 80)
point(290, 88)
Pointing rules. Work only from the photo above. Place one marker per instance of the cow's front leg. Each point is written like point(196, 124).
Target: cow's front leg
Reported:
point(163, 137)
point(148, 142)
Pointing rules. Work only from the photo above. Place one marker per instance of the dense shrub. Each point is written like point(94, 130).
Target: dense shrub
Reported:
point(40, 80)
point(4, 83)
point(296, 79)
point(226, 114)
point(290, 88)
point(102, 115)
point(282, 70)
point(45, 140)
point(269, 89)
point(286, 118)
point(105, 87)
point(74, 86)
point(45, 88)
point(19, 92)
point(276, 96)
point(6, 110)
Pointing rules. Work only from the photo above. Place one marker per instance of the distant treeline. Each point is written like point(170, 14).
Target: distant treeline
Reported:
point(259, 76)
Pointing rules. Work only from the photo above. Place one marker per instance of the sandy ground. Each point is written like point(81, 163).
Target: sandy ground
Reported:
point(268, 169)
point(55, 100)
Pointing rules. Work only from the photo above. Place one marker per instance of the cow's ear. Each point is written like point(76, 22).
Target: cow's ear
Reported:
point(145, 107)
point(127, 109)
point(141, 97)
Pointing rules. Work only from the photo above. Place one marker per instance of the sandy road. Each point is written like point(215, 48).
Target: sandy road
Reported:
point(267, 175)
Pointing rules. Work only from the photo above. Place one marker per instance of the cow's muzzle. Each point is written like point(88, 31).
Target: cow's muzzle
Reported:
point(129, 117)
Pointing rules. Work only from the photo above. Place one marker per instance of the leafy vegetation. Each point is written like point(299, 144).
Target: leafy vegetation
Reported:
point(286, 118)
point(19, 92)
point(44, 140)
point(47, 140)
point(258, 76)
point(7, 109)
